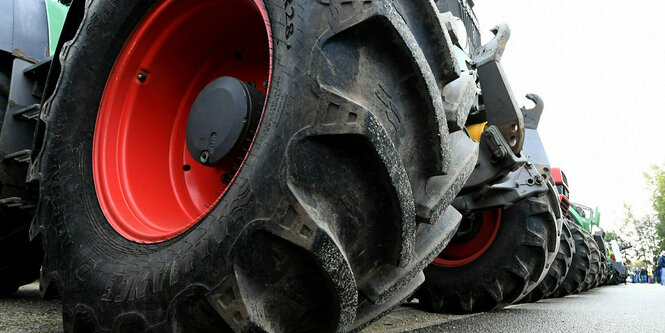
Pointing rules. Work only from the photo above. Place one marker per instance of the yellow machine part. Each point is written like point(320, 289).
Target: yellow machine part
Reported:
point(476, 130)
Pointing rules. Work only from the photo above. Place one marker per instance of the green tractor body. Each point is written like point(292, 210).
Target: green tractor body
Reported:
point(56, 13)
point(585, 216)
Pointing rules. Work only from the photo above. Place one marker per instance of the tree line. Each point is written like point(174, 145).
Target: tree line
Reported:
point(646, 234)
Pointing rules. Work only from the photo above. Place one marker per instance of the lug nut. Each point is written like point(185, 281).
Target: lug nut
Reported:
point(203, 158)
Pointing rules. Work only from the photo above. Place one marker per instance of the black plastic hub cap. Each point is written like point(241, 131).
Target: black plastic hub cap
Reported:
point(219, 120)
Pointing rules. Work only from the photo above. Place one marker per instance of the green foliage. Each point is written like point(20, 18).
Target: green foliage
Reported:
point(640, 264)
point(611, 235)
point(656, 181)
point(641, 233)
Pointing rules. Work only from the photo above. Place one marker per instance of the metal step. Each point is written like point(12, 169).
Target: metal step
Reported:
point(30, 112)
point(16, 202)
point(39, 70)
point(21, 156)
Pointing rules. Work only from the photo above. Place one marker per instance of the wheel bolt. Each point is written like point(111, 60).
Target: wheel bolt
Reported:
point(203, 158)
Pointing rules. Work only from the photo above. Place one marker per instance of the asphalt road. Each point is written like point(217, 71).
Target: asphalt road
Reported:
point(635, 308)
point(26, 312)
point(629, 308)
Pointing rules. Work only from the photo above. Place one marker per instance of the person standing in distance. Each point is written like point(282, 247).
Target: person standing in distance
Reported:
point(661, 265)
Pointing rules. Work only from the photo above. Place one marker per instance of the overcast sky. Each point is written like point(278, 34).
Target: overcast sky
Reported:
point(599, 67)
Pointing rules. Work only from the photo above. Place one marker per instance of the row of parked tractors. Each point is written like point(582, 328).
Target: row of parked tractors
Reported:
point(275, 165)
point(583, 261)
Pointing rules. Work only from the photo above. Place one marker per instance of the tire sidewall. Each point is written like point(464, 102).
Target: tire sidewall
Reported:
point(94, 265)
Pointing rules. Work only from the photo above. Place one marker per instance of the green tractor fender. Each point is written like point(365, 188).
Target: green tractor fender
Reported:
point(585, 216)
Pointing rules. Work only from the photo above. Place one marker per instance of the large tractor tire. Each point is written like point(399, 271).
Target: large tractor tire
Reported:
point(579, 268)
point(492, 264)
point(603, 273)
point(314, 205)
point(559, 269)
point(595, 272)
point(599, 238)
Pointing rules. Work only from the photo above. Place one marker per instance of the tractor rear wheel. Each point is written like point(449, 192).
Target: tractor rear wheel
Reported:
point(491, 265)
point(559, 269)
point(249, 165)
point(579, 267)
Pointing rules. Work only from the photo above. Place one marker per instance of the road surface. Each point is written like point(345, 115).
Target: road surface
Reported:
point(630, 308)
point(635, 308)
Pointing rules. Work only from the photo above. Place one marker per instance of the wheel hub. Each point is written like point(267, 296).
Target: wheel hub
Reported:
point(158, 170)
point(469, 244)
point(220, 118)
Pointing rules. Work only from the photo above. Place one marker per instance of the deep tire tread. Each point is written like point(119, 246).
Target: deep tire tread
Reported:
point(559, 269)
point(579, 268)
point(250, 266)
point(513, 265)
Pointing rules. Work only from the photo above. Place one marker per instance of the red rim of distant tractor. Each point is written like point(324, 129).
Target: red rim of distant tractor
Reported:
point(461, 253)
point(149, 187)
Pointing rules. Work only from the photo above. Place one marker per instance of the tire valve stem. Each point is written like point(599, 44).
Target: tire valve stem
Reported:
point(142, 77)
point(203, 158)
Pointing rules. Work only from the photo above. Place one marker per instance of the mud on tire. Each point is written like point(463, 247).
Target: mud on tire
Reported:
point(339, 205)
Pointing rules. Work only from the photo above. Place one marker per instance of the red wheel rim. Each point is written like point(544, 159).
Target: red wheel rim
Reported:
point(149, 187)
point(461, 253)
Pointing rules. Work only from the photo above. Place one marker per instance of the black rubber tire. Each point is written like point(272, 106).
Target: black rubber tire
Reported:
point(517, 260)
point(598, 237)
point(328, 225)
point(594, 264)
point(559, 269)
point(603, 275)
point(579, 267)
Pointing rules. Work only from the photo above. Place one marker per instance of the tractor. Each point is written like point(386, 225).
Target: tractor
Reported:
point(267, 165)
point(587, 264)
point(615, 264)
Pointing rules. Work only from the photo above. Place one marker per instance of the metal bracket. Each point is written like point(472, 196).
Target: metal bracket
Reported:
point(522, 183)
point(532, 116)
point(500, 103)
point(495, 160)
